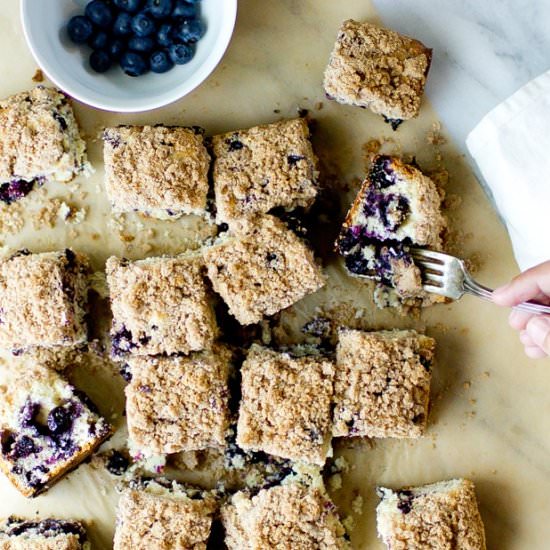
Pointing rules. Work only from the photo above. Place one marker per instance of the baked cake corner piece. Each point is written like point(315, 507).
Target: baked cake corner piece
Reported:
point(295, 514)
point(39, 141)
point(382, 383)
point(157, 170)
point(262, 168)
point(440, 515)
point(162, 514)
point(285, 407)
point(43, 534)
point(260, 268)
point(177, 404)
point(47, 428)
point(396, 207)
point(43, 299)
point(160, 305)
point(378, 69)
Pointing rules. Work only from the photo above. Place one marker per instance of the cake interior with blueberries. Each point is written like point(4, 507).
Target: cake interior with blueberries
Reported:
point(161, 171)
point(439, 516)
point(160, 305)
point(382, 383)
point(47, 428)
point(378, 69)
point(43, 300)
point(397, 207)
point(297, 513)
point(263, 168)
point(45, 534)
point(39, 141)
point(157, 513)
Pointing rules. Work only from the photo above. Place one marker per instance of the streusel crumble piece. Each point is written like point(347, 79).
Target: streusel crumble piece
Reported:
point(262, 168)
point(260, 268)
point(378, 69)
point(43, 299)
point(39, 141)
point(382, 384)
point(177, 404)
point(160, 305)
point(440, 516)
point(158, 170)
point(154, 514)
point(285, 407)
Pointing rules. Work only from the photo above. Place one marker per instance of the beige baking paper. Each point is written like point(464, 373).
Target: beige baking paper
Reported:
point(491, 406)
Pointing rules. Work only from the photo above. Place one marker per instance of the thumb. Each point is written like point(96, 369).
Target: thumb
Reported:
point(538, 328)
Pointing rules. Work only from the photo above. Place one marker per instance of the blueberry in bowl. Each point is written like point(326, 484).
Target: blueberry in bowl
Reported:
point(181, 56)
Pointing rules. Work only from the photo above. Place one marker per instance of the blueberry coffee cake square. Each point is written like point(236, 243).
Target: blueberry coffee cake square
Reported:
point(262, 168)
point(440, 516)
point(43, 299)
point(158, 170)
point(261, 267)
point(179, 403)
point(39, 142)
point(285, 408)
point(154, 514)
point(396, 207)
point(382, 383)
point(378, 69)
point(47, 428)
point(42, 534)
point(159, 305)
point(296, 514)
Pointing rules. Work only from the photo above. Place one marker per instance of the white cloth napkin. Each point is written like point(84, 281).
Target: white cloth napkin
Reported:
point(511, 146)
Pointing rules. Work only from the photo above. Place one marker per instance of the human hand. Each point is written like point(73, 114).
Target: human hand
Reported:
point(534, 330)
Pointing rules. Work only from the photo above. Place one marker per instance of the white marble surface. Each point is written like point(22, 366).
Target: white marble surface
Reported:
point(483, 51)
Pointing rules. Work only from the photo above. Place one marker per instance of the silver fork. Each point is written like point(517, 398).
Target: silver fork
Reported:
point(446, 275)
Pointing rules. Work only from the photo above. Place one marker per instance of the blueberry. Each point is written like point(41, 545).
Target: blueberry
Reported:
point(80, 29)
point(160, 62)
point(123, 24)
point(99, 40)
point(189, 30)
point(185, 9)
point(100, 61)
point(159, 8)
point(116, 48)
point(99, 13)
point(15, 190)
point(181, 53)
point(59, 420)
point(142, 25)
point(131, 6)
point(141, 44)
point(164, 35)
point(24, 447)
point(133, 64)
point(117, 463)
point(405, 499)
point(293, 159)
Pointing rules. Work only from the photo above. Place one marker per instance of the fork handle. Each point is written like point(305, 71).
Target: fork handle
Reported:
point(485, 293)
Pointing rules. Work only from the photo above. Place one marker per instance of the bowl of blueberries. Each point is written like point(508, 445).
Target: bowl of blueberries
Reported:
point(128, 55)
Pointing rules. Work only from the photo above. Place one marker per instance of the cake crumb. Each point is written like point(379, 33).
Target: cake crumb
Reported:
point(11, 219)
point(357, 505)
point(38, 76)
point(434, 136)
point(467, 385)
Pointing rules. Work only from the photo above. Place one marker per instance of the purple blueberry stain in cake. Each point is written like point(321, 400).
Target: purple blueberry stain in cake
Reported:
point(294, 159)
point(393, 122)
point(234, 144)
point(60, 419)
point(404, 503)
point(14, 190)
point(117, 463)
point(125, 372)
point(24, 447)
point(48, 528)
point(122, 342)
point(113, 140)
point(60, 120)
point(381, 173)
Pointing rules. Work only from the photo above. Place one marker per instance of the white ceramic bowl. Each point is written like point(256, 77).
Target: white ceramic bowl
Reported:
point(66, 64)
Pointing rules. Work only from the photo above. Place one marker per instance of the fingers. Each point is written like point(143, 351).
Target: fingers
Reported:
point(518, 319)
point(526, 286)
point(538, 330)
point(535, 352)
